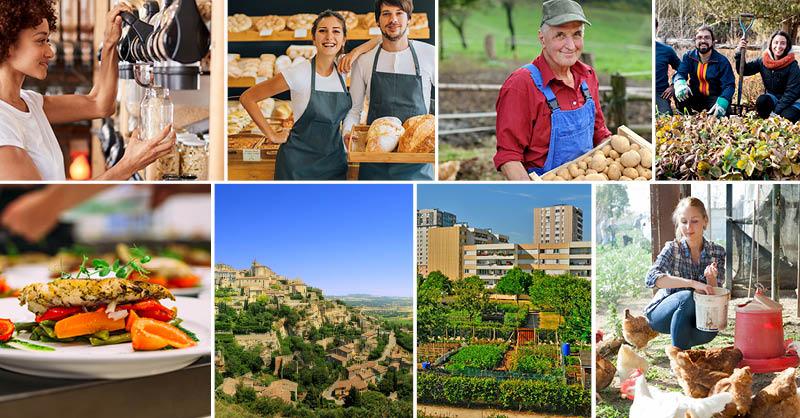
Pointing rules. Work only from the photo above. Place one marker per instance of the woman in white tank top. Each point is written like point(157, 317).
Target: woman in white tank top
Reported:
point(28, 147)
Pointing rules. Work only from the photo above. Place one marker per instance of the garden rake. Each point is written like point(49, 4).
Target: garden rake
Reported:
point(746, 21)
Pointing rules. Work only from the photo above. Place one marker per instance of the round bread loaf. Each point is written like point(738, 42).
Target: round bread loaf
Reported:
point(384, 134)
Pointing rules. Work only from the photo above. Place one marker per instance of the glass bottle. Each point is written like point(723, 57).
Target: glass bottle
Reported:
point(156, 112)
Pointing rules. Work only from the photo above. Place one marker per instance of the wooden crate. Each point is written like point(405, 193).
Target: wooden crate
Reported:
point(622, 130)
point(357, 153)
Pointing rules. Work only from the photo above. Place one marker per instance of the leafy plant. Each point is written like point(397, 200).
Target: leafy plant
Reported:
point(103, 268)
point(481, 356)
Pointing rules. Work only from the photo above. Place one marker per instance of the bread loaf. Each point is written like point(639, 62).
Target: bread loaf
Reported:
point(383, 134)
point(350, 18)
point(272, 22)
point(239, 23)
point(301, 21)
point(419, 135)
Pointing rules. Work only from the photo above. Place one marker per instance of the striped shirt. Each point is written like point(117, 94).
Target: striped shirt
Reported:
point(676, 260)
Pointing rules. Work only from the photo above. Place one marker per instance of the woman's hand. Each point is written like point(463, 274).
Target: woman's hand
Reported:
point(711, 273)
point(113, 30)
point(140, 153)
point(742, 45)
point(279, 137)
point(703, 288)
point(346, 62)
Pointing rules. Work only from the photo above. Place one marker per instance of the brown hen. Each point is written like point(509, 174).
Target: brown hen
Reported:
point(699, 370)
point(740, 385)
point(779, 399)
point(636, 330)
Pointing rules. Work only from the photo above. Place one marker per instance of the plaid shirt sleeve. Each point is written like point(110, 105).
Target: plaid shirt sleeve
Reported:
point(718, 252)
point(662, 266)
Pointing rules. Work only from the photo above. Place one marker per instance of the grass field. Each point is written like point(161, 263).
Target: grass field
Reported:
point(620, 40)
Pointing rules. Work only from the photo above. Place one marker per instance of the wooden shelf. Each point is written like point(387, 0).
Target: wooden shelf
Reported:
point(390, 157)
point(246, 82)
point(253, 35)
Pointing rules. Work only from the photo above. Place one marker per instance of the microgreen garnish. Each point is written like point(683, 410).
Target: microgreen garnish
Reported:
point(103, 268)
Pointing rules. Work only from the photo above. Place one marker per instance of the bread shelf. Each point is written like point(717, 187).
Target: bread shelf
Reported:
point(359, 33)
point(246, 82)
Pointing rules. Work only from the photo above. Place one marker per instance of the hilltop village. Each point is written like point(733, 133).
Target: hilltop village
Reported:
point(280, 342)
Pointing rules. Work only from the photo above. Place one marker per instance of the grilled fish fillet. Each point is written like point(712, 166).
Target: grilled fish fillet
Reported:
point(88, 292)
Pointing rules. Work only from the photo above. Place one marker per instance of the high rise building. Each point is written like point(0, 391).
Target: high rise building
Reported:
point(446, 247)
point(426, 219)
point(557, 224)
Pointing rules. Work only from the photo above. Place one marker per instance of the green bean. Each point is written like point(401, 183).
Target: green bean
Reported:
point(35, 335)
point(49, 323)
point(48, 330)
point(25, 326)
point(103, 335)
point(113, 339)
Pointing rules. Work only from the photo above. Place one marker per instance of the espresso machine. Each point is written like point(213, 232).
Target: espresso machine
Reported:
point(164, 45)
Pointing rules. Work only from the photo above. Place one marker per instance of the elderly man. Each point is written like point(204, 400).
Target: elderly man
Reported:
point(548, 112)
point(709, 76)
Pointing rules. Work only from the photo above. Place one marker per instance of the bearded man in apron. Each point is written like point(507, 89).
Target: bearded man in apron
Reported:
point(397, 79)
point(548, 111)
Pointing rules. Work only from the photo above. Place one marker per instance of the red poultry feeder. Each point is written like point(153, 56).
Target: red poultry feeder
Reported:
point(759, 336)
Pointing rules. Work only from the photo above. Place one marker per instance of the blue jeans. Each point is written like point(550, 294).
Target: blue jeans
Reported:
point(663, 105)
point(675, 316)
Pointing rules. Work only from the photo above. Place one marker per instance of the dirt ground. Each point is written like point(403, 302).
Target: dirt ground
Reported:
point(452, 412)
point(478, 148)
point(660, 375)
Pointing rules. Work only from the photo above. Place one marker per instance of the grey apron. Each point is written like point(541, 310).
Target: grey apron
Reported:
point(398, 95)
point(314, 150)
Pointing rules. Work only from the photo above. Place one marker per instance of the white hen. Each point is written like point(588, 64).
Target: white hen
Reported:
point(650, 402)
point(628, 361)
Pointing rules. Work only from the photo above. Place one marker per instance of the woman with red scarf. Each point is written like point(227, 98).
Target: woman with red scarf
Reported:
point(780, 74)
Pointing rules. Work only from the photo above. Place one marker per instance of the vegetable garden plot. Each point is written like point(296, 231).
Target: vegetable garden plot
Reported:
point(703, 147)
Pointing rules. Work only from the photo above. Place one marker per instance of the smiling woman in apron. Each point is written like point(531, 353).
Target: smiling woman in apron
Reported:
point(399, 77)
point(29, 149)
point(313, 149)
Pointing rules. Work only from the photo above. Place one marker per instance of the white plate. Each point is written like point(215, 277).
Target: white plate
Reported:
point(20, 276)
point(119, 361)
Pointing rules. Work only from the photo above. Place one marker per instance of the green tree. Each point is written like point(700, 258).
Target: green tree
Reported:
point(470, 295)
point(514, 282)
point(353, 398)
point(570, 297)
point(612, 200)
point(456, 12)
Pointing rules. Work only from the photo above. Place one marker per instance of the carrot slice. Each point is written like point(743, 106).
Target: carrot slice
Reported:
point(87, 323)
point(132, 317)
point(183, 282)
point(150, 334)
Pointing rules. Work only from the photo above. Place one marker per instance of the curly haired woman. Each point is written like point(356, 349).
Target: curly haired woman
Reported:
point(29, 149)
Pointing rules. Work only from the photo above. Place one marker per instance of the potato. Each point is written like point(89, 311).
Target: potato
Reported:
point(613, 171)
point(579, 178)
point(549, 176)
point(640, 179)
point(620, 144)
point(630, 159)
point(583, 165)
point(630, 172)
point(647, 158)
point(635, 147)
point(640, 170)
point(606, 150)
point(625, 178)
point(590, 171)
point(648, 174)
point(613, 154)
point(557, 178)
point(596, 177)
point(574, 171)
point(564, 174)
point(587, 160)
point(599, 162)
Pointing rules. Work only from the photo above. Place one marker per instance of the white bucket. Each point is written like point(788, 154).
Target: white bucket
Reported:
point(711, 311)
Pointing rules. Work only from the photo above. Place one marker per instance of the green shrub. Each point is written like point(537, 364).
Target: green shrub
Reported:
point(480, 356)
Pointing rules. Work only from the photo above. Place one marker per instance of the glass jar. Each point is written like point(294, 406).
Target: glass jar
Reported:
point(156, 112)
point(194, 156)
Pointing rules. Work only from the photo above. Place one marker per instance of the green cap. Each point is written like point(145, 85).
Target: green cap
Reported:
point(558, 12)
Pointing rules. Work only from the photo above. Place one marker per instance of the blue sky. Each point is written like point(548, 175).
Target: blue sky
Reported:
point(505, 208)
point(340, 238)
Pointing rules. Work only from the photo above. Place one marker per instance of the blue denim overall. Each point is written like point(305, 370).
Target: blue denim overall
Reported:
point(571, 131)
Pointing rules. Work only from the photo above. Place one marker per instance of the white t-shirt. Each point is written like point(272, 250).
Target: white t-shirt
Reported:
point(298, 77)
point(401, 62)
point(32, 132)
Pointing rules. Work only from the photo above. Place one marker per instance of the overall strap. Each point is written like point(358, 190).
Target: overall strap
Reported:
point(313, 73)
point(536, 76)
point(587, 95)
point(375, 62)
point(414, 55)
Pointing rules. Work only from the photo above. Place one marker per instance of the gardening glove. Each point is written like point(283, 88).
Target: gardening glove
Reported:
point(719, 107)
point(682, 90)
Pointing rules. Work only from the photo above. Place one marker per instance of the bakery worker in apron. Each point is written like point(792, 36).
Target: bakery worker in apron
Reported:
point(313, 149)
point(396, 78)
point(548, 111)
